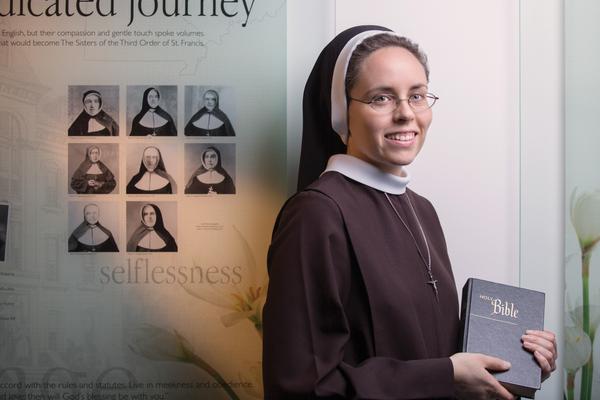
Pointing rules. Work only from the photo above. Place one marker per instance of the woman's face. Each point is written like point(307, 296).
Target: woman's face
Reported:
point(90, 213)
point(211, 159)
point(151, 158)
point(210, 101)
point(153, 98)
point(94, 154)
point(149, 216)
point(388, 141)
point(91, 104)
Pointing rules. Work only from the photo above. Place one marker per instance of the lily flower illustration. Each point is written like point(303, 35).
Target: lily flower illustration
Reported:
point(158, 344)
point(585, 216)
point(243, 299)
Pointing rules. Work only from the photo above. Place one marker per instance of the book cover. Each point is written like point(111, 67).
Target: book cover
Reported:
point(494, 316)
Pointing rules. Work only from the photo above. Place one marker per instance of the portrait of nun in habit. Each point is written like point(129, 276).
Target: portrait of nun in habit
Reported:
point(362, 301)
point(152, 120)
point(152, 176)
point(210, 120)
point(210, 177)
point(93, 120)
point(90, 235)
point(151, 235)
point(93, 176)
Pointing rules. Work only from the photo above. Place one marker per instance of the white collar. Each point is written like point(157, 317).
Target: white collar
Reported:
point(367, 174)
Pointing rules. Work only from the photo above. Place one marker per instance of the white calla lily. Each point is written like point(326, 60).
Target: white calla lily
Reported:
point(585, 217)
point(578, 348)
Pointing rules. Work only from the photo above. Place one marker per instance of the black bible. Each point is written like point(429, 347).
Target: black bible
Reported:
point(493, 319)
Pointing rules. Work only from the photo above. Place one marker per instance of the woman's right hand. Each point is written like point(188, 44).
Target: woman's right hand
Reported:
point(472, 379)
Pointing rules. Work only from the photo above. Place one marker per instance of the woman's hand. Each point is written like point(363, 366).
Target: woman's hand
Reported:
point(543, 346)
point(472, 379)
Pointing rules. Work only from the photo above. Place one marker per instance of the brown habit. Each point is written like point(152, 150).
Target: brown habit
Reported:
point(349, 313)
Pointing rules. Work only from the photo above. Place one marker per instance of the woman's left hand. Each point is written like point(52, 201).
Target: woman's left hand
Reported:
point(543, 346)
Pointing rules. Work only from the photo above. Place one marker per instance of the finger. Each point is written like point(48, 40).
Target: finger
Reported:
point(532, 347)
point(494, 363)
point(542, 345)
point(543, 362)
point(542, 341)
point(500, 391)
point(550, 336)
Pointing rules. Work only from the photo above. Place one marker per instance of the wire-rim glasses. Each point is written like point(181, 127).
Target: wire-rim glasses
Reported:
point(388, 103)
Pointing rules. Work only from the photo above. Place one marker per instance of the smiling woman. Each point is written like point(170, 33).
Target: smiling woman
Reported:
point(362, 301)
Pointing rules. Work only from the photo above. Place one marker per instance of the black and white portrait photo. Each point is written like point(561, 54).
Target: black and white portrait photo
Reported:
point(151, 227)
point(150, 169)
point(151, 111)
point(208, 111)
point(4, 213)
point(94, 110)
point(93, 226)
point(210, 168)
point(93, 168)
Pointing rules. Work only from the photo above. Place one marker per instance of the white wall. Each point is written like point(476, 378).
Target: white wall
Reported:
point(542, 164)
point(492, 165)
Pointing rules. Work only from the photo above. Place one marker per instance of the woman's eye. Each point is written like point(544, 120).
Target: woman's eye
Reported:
point(382, 99)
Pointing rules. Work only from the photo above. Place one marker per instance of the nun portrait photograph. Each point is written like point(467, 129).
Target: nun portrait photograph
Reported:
point(210, 119)
point(90, 235)
point(93, 176)
point(148, 231)
point(362, 301)
point(93, 120)
point(152, 176)
point(152, 119)
point(210, 177)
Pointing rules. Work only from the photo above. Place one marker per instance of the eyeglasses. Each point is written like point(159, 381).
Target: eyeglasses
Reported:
point(388, 103)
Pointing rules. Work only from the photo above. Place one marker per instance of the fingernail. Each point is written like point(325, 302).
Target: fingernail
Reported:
point(506, 364)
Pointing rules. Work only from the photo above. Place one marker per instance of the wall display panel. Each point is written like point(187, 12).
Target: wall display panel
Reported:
point(116, 279)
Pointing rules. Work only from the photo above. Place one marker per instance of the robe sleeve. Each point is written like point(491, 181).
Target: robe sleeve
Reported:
point(79, 183)
point(306, 328)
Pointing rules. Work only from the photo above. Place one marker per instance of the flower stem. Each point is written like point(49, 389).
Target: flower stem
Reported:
point(571, 386)
point(587, 370)
point(197, 361)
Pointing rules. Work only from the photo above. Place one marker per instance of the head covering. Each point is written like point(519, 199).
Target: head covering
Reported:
point(160, 170)
point(202, 169)
point(159, 228)
point(157, 110)
point(189, 127)
point(80, 125)
point(324, 108)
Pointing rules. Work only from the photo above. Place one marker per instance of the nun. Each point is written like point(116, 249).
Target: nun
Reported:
point(93, 176)
point(152, 120)
point(210, 120)
point(152, 176)
point(210, 177)
point(90, 235)
point(362, 301)
point(93, 120)
point(151, 235)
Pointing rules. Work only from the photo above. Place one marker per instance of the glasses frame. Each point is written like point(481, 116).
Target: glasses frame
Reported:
point(398, 101)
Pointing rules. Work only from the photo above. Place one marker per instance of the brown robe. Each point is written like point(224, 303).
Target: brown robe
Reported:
point(349, 313)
